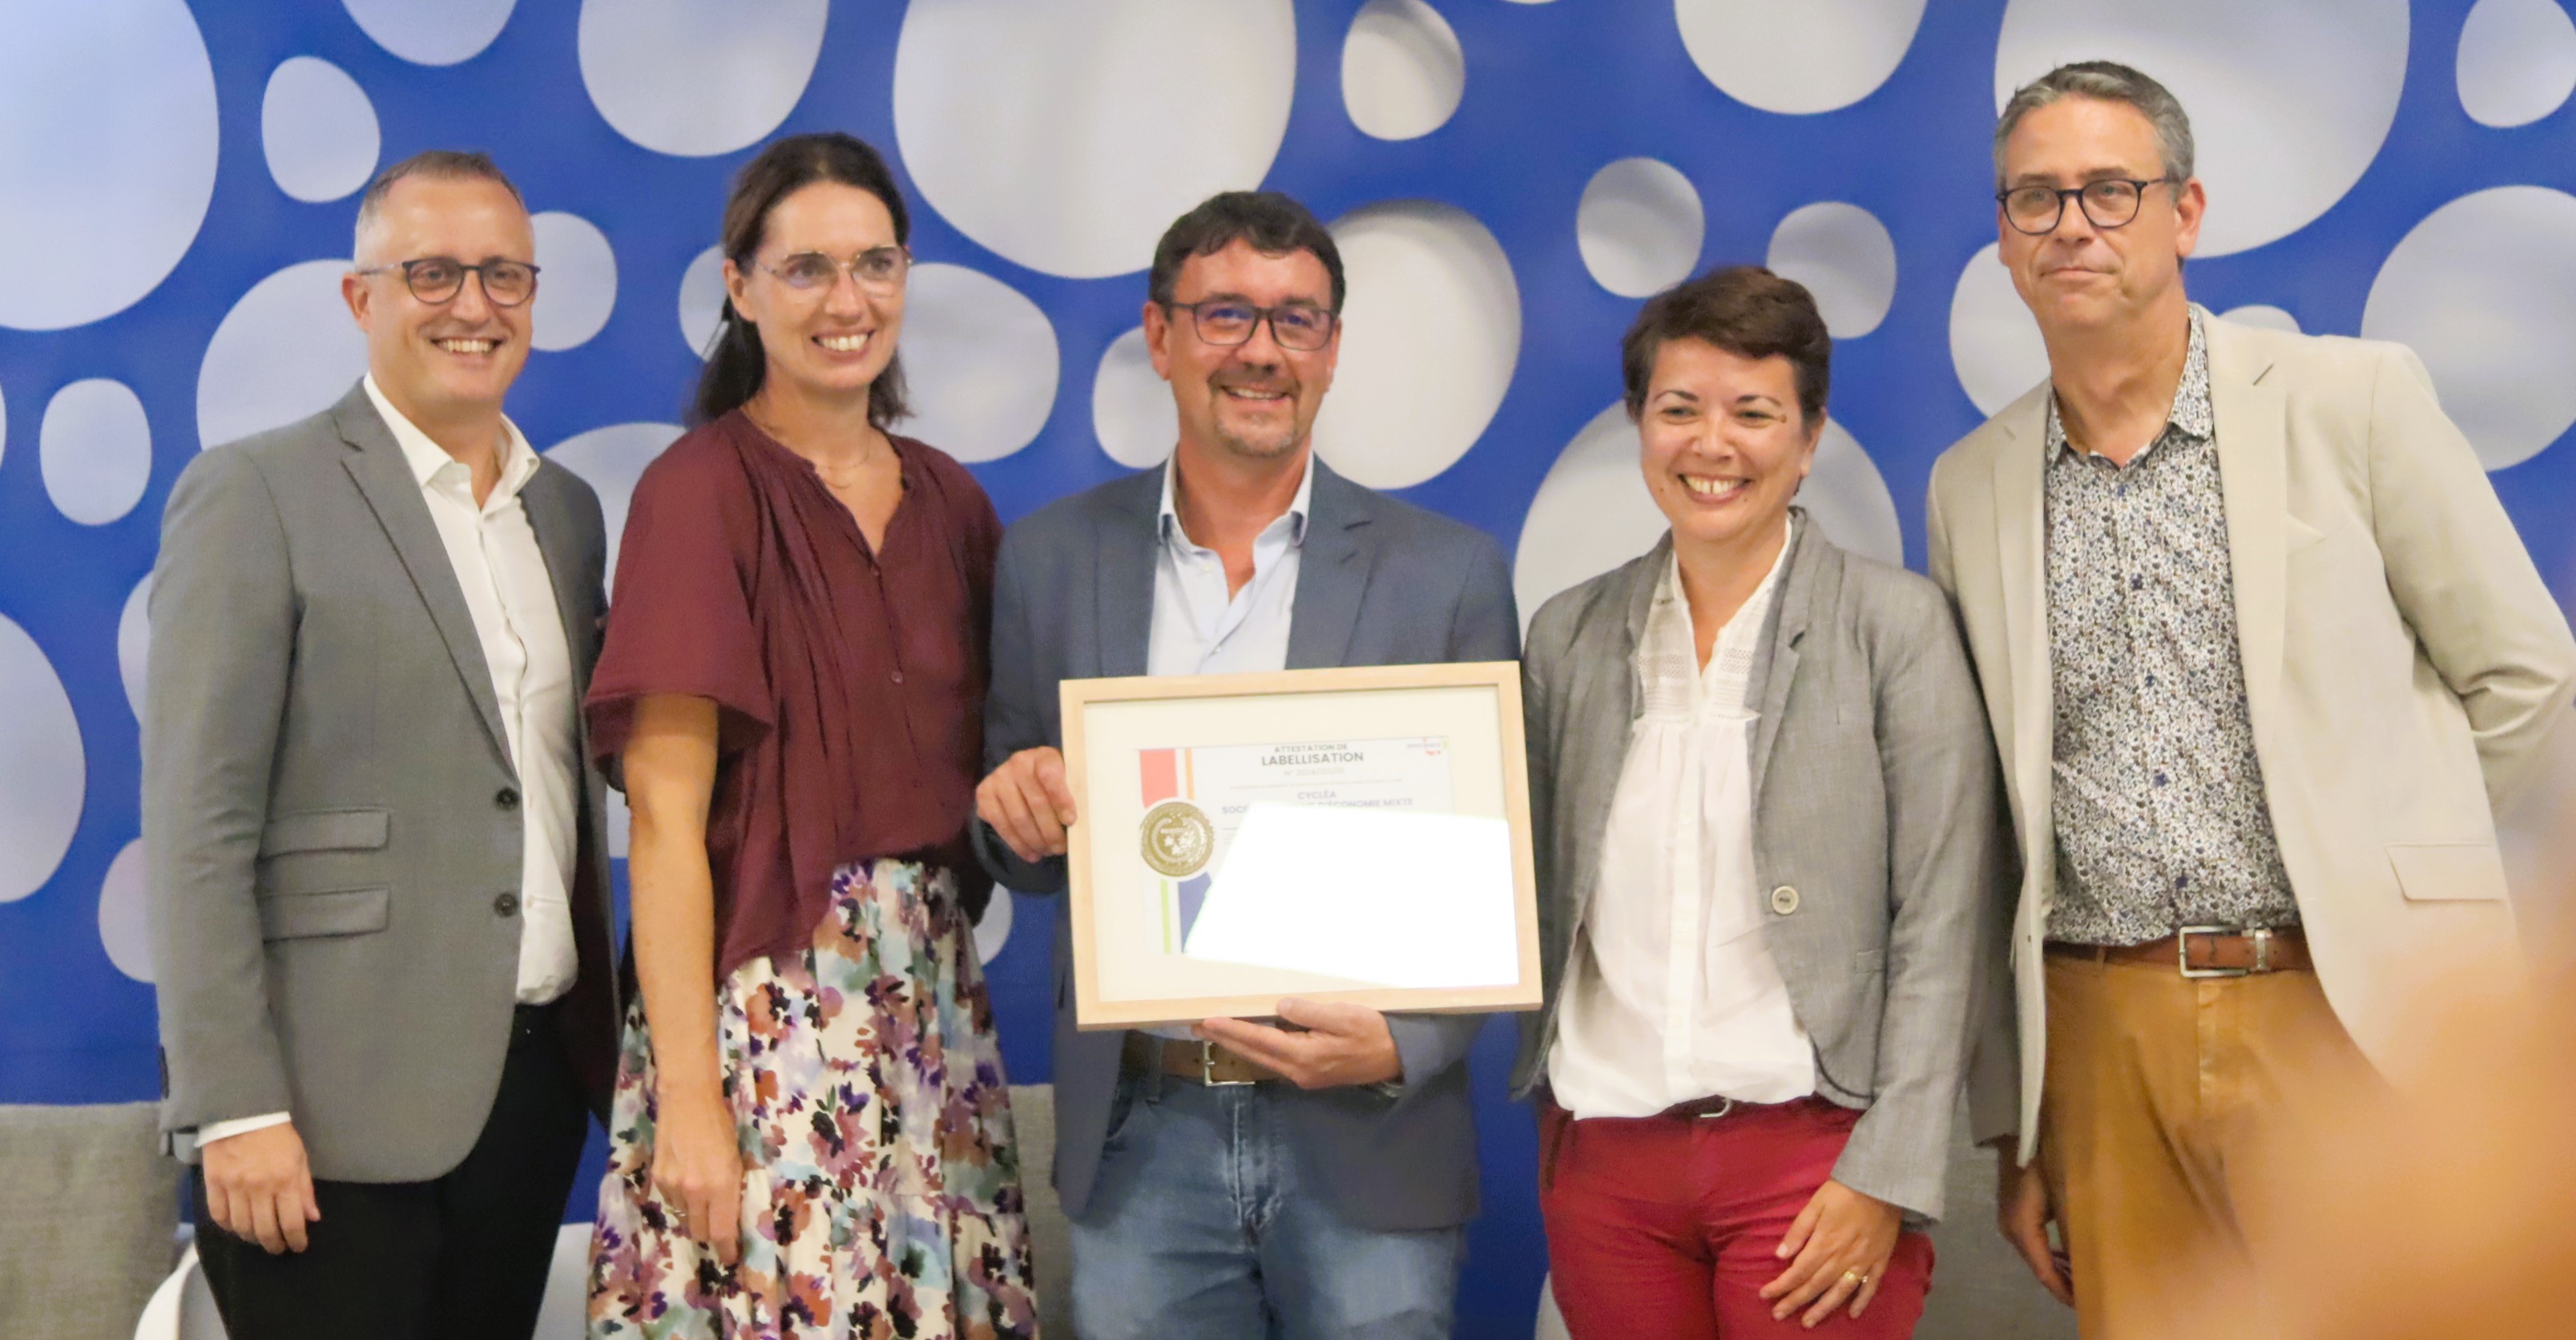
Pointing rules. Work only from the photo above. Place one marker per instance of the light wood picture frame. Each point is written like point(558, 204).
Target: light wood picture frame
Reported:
point(1133, 744)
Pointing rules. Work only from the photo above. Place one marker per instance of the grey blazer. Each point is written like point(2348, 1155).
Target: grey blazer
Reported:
point(1875, 830)
point(1380, 582)
point(330, 817)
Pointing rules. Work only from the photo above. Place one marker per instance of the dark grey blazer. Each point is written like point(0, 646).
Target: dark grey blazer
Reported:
point(1380, 582)
point(1876, 837)
point(330, 818)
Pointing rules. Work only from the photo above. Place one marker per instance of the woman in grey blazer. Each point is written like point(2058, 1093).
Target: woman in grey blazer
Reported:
point(1766, 815)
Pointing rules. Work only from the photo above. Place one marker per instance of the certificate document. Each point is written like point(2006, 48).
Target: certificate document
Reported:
point(1197, 796)
point(1346, 834)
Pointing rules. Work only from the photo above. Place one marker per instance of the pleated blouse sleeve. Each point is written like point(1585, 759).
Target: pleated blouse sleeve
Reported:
point(680, 619)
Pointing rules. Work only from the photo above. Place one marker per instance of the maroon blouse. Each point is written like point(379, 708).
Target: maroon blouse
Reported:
point(849, 685)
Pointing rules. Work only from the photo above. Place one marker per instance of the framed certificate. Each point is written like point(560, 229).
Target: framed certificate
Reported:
point(1355, 834)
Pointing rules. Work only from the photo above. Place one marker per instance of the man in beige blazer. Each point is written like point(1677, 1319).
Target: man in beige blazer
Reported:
point(2262, 652)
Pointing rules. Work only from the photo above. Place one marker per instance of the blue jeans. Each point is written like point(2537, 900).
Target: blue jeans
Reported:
point(1198, 1227)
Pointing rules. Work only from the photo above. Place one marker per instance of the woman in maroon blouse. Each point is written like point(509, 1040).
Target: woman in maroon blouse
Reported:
point(810, 1121)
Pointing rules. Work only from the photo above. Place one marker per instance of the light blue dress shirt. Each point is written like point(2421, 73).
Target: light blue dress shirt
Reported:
point(1199, 627)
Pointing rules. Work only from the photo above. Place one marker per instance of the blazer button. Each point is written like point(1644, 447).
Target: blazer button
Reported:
point(506, 905)
point(1784, 900)
point(507, 798)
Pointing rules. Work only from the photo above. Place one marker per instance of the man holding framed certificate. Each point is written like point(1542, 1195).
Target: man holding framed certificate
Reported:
point(1230, 1173)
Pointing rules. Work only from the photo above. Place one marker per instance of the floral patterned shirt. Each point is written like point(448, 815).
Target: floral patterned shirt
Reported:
point(2158, 796)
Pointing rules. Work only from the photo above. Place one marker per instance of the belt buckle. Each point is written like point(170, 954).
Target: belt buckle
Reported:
point(1723, 1108)
point(1207, 1071)
point(2262, 936)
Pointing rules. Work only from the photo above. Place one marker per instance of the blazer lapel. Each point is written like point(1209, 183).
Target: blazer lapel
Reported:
point(1123, 602)
point(550, 516)
point(2021, 537)
point(384, 477)
point(2253, 467)
point(1332, 571)
point(1772, 673)
point(1600, 716)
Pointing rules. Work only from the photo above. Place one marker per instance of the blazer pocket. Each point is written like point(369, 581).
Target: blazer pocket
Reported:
point(2448, 872)
point(325, 830)
point(295, 916)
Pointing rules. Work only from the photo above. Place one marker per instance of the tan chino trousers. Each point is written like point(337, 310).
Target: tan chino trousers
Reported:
point(2160, 1094)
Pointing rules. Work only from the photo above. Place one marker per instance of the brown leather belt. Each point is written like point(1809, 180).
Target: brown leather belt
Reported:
point(2206, 951)
point(1205, 1062)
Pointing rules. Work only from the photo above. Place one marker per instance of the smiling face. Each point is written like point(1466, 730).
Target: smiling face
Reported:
point(830, 343)
point(1722, 443)
point(441, 363)
point(1252, 400)
point(2080, 276)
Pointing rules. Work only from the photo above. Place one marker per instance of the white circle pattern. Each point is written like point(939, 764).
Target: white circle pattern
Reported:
point(1842, 253)
point(576, 281)
point(1051, 133)
point(317, 129)
point(1431, 331)
point(1811, 56)
point(1639, 226)
point(95, 450)
point(287, 349)
point(2517, 61)
point(85, 83)
point(1402, 71)
point(698, 77)
point(42, 787)
point(2478, 290)
point(982, 362)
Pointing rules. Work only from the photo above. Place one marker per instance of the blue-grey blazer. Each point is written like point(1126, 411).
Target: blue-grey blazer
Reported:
point(1380, 582)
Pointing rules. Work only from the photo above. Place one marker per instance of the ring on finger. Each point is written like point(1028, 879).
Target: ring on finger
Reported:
point(1855, 1277)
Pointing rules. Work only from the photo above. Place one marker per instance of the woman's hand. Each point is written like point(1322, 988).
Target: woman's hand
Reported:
point(1836, 1250)
point(697, 1166)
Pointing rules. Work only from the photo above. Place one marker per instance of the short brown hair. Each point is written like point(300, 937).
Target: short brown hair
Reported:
point(437, 165)
point(1275, 225)
point(1743, 309)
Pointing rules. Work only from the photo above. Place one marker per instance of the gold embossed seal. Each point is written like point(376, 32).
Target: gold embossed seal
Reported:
point(1178, 838)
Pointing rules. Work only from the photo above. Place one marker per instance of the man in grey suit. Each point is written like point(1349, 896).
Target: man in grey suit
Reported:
point(1235, 1177)
point(377, 856)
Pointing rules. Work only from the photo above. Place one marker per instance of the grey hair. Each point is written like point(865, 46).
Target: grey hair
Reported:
point(2105, 81)
point(436, 165)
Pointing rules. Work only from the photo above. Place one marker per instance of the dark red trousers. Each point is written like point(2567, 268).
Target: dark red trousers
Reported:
point(1665, 1226)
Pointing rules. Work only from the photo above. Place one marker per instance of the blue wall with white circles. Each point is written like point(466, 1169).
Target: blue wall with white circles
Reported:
point(1506, 180)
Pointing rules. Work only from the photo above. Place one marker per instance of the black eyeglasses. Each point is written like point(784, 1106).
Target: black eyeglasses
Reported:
point(1299, 326)
point(2110, 202)
point(438, 279)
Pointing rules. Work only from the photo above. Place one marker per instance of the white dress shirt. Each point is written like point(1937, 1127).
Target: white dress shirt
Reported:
point(1199, 627)
point(511, 595)
point(1670, 991)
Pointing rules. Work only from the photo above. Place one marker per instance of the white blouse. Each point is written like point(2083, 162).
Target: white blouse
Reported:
point(1670, 993)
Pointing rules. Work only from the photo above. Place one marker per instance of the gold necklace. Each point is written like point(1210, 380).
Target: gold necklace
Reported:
point(855, 471)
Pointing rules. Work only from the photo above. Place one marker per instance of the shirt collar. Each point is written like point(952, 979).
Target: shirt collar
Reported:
point(1668, 593)
point(2190, 415)
point(1167, 522)
point(427, 458)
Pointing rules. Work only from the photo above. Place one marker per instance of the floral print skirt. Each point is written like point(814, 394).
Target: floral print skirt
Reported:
point(881, 1184)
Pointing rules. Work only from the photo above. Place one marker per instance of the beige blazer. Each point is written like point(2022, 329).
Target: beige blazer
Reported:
point(2403, 662)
